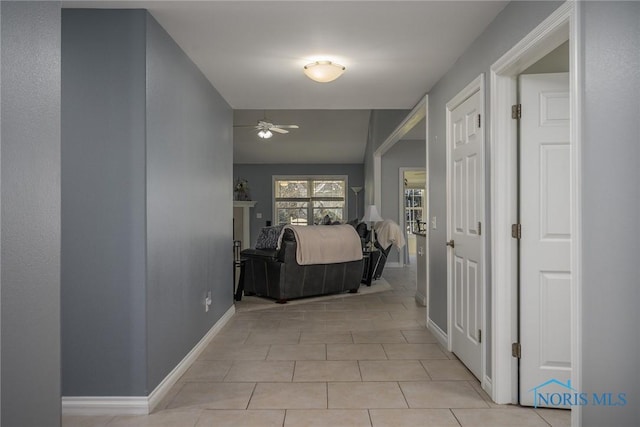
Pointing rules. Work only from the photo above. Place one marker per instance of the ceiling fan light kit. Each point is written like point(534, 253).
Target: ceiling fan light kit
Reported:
point(266, 129)
point(323, 71)
point(265, 134)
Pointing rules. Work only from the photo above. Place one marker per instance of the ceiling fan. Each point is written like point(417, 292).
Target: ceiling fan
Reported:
point(265, 128)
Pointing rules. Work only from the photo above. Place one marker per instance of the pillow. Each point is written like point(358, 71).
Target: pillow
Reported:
point(268, 237)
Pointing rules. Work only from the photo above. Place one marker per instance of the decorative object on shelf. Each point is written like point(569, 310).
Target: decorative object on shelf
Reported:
point(371, 216)
point(323, 71)
point(356, 190)
point(241, 189)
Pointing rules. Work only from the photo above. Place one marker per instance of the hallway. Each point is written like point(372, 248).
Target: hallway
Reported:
point(351, 360)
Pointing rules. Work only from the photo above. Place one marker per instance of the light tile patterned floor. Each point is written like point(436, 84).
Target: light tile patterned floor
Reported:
point(353, 360)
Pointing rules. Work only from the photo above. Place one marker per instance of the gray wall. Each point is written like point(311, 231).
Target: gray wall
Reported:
point(260, 179)
point(405, 153)
point(189, 211)
point(381, 124)
point(103, 203)
point(30, 225)
point(610, 209)
point(513, 23)
point(146, 154)
point(0, 215)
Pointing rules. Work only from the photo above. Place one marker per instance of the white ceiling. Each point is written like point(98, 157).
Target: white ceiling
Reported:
point(253, 51)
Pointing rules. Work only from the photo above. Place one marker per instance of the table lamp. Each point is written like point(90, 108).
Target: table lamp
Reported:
point(371, 216)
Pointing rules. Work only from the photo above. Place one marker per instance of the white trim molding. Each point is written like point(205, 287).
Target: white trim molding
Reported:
point(440, 335)
point(418, 113)
point(105, 405)
point(575, 49)
point(142, 405)
point(169, 381)
point(420, 299)
point(560, 26)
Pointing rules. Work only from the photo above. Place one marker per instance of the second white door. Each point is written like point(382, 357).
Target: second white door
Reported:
point(466, 171)
point(545, 257)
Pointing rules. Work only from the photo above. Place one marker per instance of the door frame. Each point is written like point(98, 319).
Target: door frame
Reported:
point(476, 86)
point(401, 206)
point(561, 25)
point(419, 112)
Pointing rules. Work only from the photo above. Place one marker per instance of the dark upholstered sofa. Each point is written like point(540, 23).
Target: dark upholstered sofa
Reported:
point(275, 273)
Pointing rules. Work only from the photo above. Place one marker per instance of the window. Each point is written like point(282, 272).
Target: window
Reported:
point(307, 200)
point(413, 209)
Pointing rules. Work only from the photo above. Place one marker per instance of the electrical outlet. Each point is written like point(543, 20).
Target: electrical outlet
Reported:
point(207, 302)
point(433, 223)
point(259, 215)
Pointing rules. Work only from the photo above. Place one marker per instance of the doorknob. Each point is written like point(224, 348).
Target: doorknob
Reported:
point(451, 243)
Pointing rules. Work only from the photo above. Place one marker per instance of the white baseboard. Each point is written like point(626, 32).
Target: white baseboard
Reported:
point(442, 337)
point(142, 405)
point(487, 385)
point(165, 385)
point(105, 405)
point(421, 299)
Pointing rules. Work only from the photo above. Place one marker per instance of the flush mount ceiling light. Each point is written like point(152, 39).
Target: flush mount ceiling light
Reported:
point(323, 71)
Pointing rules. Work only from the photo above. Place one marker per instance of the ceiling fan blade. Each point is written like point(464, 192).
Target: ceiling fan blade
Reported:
point(287, 126)
point(278, 130)
point(244, 126)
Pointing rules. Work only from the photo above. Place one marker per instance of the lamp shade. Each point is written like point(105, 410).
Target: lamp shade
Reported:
point(371, 214)
point(323, 71)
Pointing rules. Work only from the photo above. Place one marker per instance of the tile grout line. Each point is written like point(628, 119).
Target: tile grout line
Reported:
point(454, 416)
point(326, 388)
point(406, 401)
point(543, 418)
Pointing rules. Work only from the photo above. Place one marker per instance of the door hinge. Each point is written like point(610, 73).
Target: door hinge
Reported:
point(516, 350)
point(479, 228)
point(479, 121)
point(516, 231)
point(479, 335)
point(516, 111)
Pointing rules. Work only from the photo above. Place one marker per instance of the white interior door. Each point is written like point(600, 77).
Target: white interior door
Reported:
point(466, 171)
point(545, 215)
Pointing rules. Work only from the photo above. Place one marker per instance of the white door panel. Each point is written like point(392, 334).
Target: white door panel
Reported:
point(545, 215)
point(467, 204)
